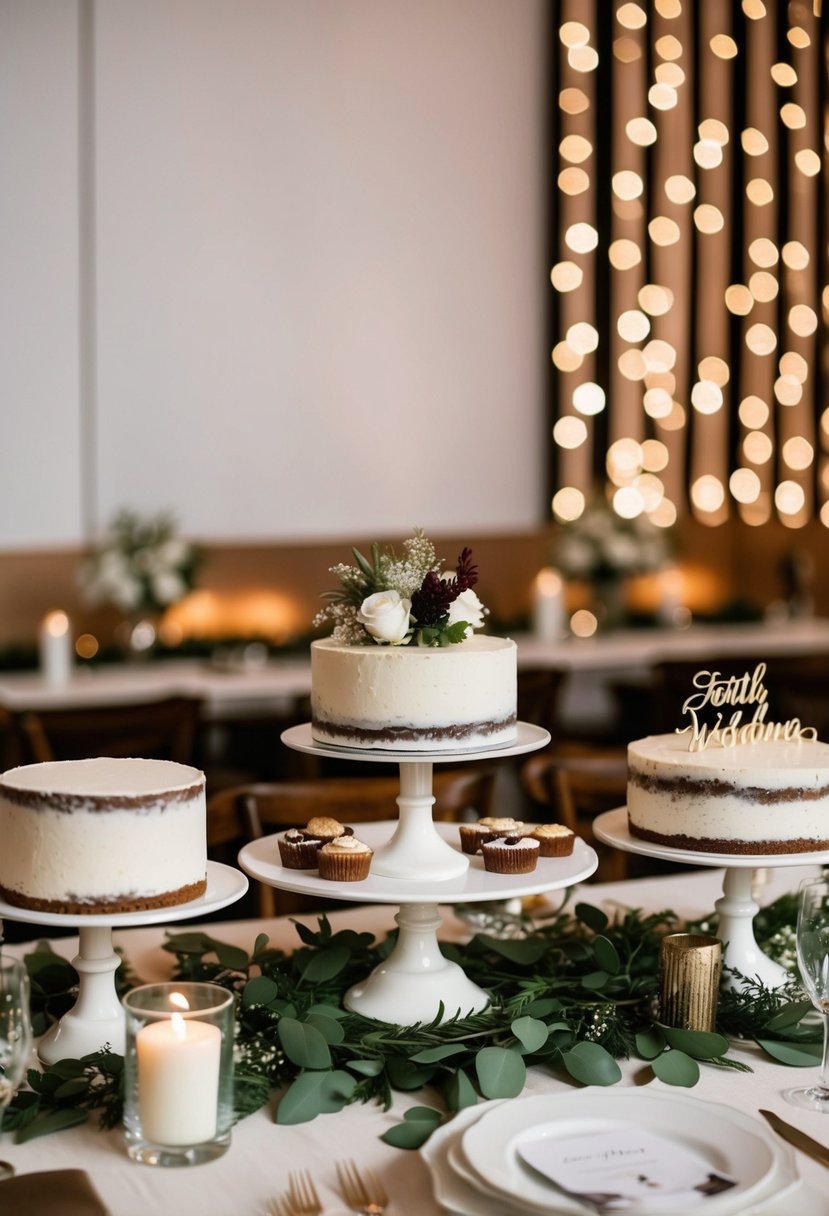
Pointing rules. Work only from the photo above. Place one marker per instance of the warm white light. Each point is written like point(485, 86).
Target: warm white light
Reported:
point(799, 38)
point(668, 47)
point(589, 398)
point(795, 255)
point(808, 162)
point(789, 498)
point(651, 491)
point(708, 218)
point(706, 397)
point(763, 286)
point(575, 148)
point(798, 453)
point(581, 238)
point(715, 369)
point(641, 131)
point(788, 390)
point(761, 339)
point(754, 142)
point(739, 300)
point(566, 276)
point(633, 326)
point(793, 116)
point(655, 300)
point(573, 101)
point(631, 16)
point(759, 192)
point(664, 516)
point(757, 448)
point(794, 365)
point(627, 502)
point(627, 184)
point(659, 356)
point(568, 504)
point(624, 460)
point(632, 365)
point(663, 231)
point(583, 58)
point(566, 359)
point(570, 432)
point(763, 252)
point(583, 624)
point(679, 188)
point(573, 181)
point(662, 96)
point(753, 412)
point(711, 129)
point(573, 33)
point(707, 154)
point(582, 337)
point(723, 46)
point(624, 254)
point(802, 320)
point(708, 493)
point(654, 455)
point(657, 403)
point(671, 74)
point(784, 75)
point(744, 485)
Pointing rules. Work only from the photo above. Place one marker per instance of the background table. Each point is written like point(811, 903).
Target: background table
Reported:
point(255, 1169)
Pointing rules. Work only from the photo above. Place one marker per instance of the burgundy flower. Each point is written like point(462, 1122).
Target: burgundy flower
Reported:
point(431, 602)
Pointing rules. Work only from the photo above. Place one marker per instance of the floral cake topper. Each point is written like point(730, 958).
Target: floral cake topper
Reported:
point(398, 601)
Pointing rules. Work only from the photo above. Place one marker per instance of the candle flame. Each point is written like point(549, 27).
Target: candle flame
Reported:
point(56, 624)
point(179, 1000)
point(179, 1026)
point(549, 581)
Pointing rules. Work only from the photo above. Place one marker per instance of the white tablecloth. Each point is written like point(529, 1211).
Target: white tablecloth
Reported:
point(255, 1169)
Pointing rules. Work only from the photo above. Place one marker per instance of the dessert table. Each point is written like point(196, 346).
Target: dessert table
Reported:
point(254, 1172)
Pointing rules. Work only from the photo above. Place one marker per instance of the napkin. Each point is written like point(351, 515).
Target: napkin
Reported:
point(39, 1195)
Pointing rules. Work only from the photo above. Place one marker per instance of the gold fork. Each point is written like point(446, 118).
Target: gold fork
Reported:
point(363, 1193)
point(303, 1199)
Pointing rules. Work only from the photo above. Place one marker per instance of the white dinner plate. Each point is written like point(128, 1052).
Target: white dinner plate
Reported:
point(728, 1140)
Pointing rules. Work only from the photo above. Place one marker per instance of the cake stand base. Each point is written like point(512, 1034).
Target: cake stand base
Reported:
point(416, 984)
point(736, 907)
point(97, 1017)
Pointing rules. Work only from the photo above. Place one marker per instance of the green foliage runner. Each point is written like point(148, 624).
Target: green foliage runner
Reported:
point(572, 995)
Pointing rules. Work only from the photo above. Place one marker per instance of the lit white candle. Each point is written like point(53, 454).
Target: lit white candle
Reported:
point(178, 1080)
point(548, 605)
point(55, 641)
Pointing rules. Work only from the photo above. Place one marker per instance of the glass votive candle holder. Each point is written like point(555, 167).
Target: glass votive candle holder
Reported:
point(178, 1072)
point(690, 968)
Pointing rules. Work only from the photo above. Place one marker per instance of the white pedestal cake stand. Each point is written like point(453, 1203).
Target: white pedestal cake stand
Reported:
point(97, 1017)
point(418, 865)
point(736, 907)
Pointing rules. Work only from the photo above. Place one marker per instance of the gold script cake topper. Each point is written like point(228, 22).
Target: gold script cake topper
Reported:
point(742, 691)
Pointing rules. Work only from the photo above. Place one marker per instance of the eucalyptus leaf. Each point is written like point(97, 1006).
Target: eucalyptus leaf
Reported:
point(330, 1028)
point(799, 1055)
point(593, 917)
point(326, 964)
point(676, 1068)
point(54, 1121)
point(315, 1093)
point(409, 1135)
point(650, 1043)
point(789, 1015)
point(607, 955)
point(591, 1064)
point(531, 1033)
point(71, 1089)
point(303, 1044)
point(232, 957)
point(595, 980)
point(543, 1007)
point(328, 1011)
point(701, 1044)
point(261, 944)
point(526, 950)
point(458, 1091)
point(366, 1068)
point(501, 1072)
point(405, 1075)
point(259, 991)
point(68, 1068)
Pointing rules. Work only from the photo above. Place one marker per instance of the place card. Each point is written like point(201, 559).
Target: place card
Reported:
point(626, 1169)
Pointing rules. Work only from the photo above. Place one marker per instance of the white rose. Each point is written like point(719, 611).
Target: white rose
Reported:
point(467, 607)
point(386, 616)
point(167, 588)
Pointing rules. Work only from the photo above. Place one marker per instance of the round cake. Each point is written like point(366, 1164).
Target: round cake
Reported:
point(753, 798)
point(414, 698)
point(102, 835)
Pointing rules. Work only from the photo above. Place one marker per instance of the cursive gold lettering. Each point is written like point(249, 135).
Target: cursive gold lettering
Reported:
point(748, 689)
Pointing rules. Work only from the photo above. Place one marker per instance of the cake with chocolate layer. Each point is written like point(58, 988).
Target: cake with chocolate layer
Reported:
point(102, 835)
point(754, 797)
point(403, 669)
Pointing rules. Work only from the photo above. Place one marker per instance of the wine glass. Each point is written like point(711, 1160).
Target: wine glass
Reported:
point(813, 963)
point(15, 1033)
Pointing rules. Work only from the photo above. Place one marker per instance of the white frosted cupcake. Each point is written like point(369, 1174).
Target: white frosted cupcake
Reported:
point(555, 839)
point(473, 835)
point(511, 854)
point(345, 859)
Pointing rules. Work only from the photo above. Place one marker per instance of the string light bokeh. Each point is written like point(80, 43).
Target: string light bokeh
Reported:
point(690, 271)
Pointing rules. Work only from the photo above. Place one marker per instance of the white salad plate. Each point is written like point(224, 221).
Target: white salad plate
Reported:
point(476, 1169)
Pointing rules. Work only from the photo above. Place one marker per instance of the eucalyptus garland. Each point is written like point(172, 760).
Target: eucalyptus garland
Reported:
point(572, 994)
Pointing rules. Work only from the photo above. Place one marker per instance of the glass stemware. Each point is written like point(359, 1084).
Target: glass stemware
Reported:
point(15, 1033)
point(813, 963)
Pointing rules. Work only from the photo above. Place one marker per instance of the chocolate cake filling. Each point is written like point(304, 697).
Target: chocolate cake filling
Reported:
point(55, 800)
point(715, 787)
point(760, 848)
point(409, 734)
point(74, 905)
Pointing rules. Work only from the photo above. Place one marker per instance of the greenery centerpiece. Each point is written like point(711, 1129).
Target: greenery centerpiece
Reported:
point(570, 995)
point(142, 566)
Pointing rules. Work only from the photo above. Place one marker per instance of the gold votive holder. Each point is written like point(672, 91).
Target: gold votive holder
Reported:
point(690, 968)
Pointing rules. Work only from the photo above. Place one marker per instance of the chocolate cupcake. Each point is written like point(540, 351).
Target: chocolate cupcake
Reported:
point(323, 828)
point(345, 859)
point(298, 850)
point(511, 854)
point(473, 835)
point(555, 839)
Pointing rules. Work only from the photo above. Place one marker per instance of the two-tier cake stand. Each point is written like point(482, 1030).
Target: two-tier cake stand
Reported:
point(736, 907)
point(97, 1017)
point(418, 865)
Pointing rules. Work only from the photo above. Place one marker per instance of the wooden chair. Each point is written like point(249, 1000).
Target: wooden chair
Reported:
point(248, 812)
point(539, 696)
point(156, 730)
point(576, 789)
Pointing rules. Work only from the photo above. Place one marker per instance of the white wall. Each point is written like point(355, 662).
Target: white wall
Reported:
point(321, 265)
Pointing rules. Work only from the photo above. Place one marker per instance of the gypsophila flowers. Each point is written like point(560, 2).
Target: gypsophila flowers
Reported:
point(395, 601)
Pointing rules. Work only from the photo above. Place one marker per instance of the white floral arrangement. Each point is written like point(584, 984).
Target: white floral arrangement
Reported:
point(398, 601)
point(601, 545)
point(141, 566)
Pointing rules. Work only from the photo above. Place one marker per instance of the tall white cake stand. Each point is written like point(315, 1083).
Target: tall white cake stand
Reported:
point(97, 1017)
point(418, 865)
point(736, 907)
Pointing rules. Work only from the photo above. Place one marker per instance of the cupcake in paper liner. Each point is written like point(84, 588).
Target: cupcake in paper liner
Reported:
point(555, 839)
point(298, 850)
point(511, 854)
point(345, 859)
